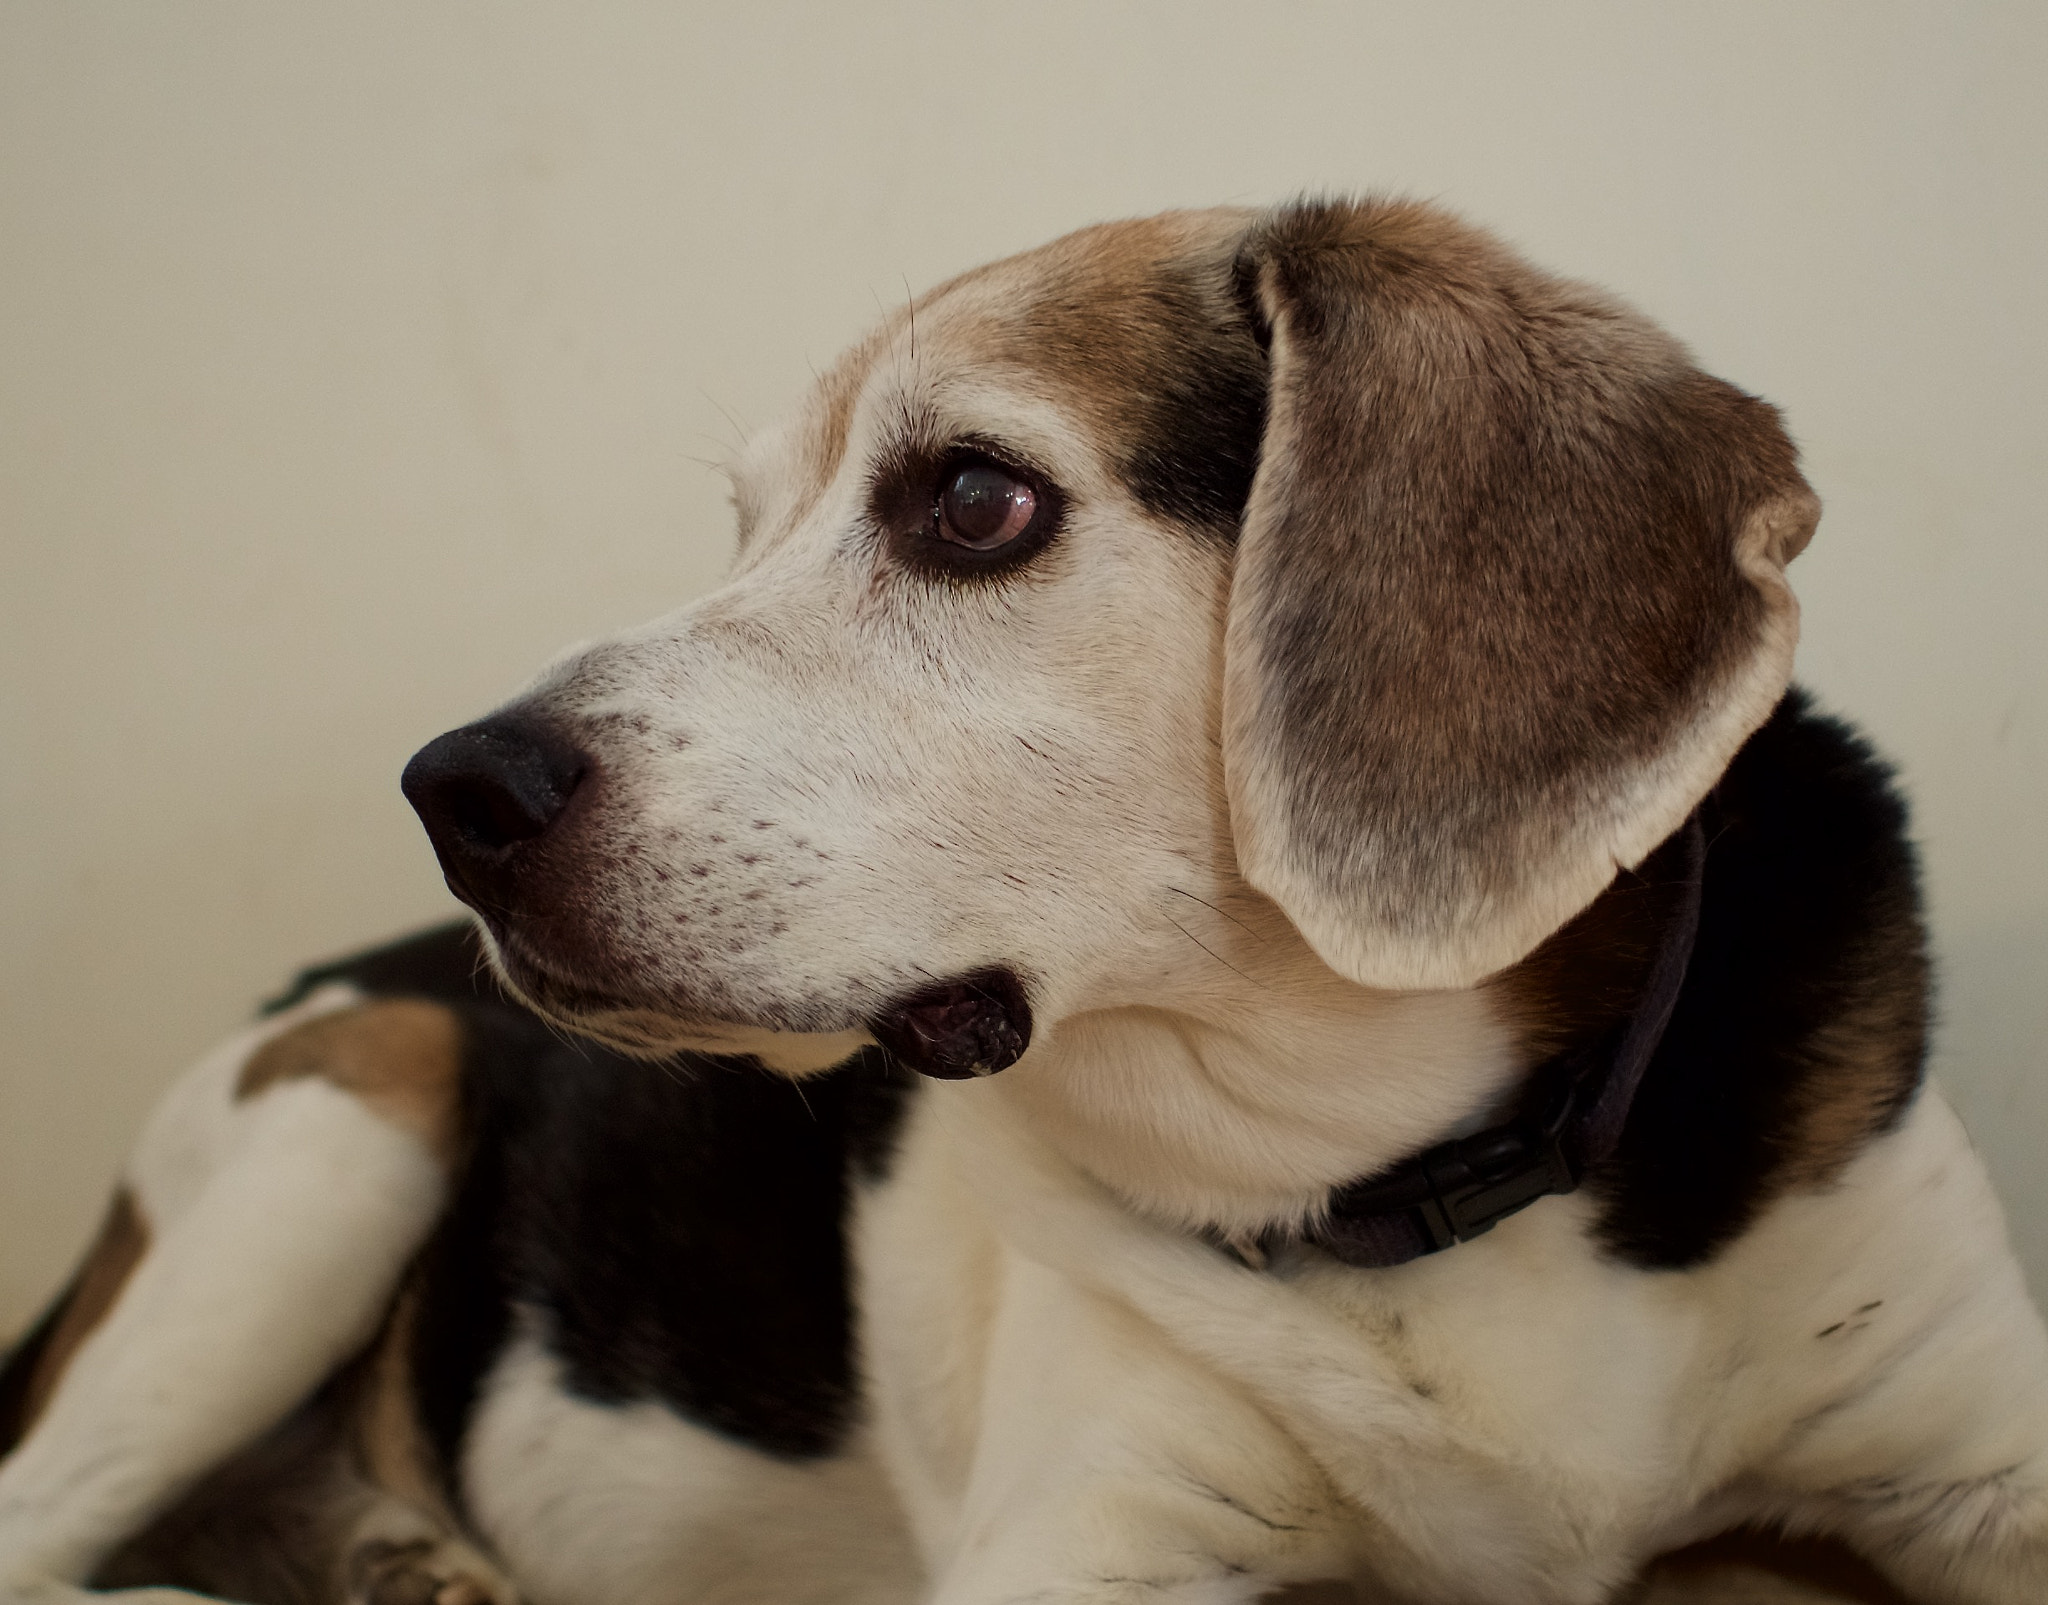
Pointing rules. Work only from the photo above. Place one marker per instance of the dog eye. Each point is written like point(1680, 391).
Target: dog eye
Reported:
point(982, 507)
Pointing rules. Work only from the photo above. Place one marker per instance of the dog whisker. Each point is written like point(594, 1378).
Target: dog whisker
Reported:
point(1240, 924)
point(1206, 948)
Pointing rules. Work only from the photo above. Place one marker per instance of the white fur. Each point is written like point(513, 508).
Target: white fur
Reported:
point(1518, 1420)
point(633, 1505)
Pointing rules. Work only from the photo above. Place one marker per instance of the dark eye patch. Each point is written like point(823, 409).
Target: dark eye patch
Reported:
point(1198, 413)
point(1174, 374)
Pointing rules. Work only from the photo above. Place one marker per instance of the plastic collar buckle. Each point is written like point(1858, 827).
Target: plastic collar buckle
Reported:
point(1477, 1182)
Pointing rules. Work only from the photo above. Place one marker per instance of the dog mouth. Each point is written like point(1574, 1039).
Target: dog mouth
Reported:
point(954, 1030)
point(546, 987)
point(628, 1024)
point(958, 1029)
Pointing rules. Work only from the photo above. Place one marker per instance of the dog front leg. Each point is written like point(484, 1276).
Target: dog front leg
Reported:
point(1940, 1475)
point(1110, 1467)
point(275, 1200)
point(1442, 1516)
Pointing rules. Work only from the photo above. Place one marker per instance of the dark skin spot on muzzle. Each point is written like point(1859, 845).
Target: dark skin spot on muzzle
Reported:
point(972, 1026)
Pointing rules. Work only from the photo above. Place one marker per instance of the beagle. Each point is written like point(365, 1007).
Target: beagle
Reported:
point(1224, 966)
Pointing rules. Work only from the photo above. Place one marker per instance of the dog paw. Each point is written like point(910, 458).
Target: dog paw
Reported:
point(423, 1571)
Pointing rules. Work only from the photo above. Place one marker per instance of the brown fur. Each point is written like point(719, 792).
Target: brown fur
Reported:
point(1080, 319)
point(122, 1241)
point(1591, 973)
point(401, 1056)
point(390, 1442)
point(335, 1504)
point(1866, 1061)
point(1500, 552)
point(1742, 1568)
point(1495, 637)
point(342, 1501)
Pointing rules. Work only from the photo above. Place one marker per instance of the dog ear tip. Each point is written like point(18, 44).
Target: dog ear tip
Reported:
point(1419, 967)
point(1386, 959)
point(1797, 517)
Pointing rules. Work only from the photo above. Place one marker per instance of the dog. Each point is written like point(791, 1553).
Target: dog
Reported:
point(1225, 965)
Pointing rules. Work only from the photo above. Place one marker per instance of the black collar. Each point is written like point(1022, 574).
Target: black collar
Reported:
point(1571, 1120)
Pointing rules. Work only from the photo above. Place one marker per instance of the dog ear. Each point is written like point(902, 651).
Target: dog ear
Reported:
point(1509, 592)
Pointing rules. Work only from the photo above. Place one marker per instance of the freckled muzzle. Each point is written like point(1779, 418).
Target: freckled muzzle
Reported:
point(953, 1030)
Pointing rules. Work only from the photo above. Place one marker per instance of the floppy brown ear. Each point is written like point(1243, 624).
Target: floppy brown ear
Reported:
point(1509, 595)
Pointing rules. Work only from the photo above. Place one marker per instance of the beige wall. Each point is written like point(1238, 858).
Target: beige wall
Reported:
point(354, 357)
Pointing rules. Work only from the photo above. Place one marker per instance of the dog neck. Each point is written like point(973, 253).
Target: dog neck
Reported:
point(1237, 1110)
point(1237, 1104)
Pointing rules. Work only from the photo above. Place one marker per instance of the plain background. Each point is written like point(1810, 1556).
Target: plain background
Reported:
point(354, 358)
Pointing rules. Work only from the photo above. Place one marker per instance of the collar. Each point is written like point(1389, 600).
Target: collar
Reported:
point(1571, 1120)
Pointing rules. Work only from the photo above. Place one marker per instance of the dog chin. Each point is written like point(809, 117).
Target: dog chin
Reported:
point(647, 1030)
point(643, 1033)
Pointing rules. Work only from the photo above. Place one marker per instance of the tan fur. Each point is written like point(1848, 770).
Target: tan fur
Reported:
point(1082, 320)
point(1860, 1063)
point(1589, 974)
point(390, 1442)
point(401, 1056)
point(123, 1240)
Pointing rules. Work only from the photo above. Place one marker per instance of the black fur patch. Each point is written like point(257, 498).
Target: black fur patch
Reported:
point(680, 1228)
point(20, 1370)
point(1164, 365)
point(446, 962)
point(1801, 1030)
point(677, 1226)
point(1200, 417)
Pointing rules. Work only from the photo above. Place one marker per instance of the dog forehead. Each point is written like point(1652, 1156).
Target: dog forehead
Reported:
point(1129, 330)
point(1122, 284)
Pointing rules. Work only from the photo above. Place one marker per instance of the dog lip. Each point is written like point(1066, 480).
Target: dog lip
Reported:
point(972, 1025)
point(621, 1019)
point(551, 990)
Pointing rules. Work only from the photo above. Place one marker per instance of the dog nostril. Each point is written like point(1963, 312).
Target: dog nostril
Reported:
point(489, 786)
point(488, 815)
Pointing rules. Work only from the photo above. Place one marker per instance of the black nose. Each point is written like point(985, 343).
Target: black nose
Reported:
point(483, 790)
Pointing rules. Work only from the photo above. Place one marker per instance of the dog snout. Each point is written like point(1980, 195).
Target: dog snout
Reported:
point(488, 793)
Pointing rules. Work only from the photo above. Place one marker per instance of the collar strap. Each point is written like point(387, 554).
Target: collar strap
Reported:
point(1571, 1121)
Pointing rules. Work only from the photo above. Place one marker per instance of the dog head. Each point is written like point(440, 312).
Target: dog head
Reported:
point(1330, 569)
